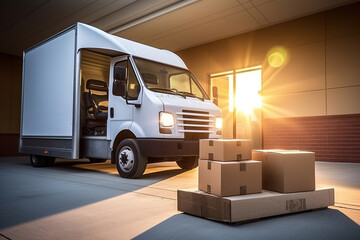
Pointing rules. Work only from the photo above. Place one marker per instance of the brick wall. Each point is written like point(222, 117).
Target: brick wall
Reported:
point(332, 138)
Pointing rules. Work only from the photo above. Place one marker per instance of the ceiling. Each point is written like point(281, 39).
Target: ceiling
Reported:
point(168, 24)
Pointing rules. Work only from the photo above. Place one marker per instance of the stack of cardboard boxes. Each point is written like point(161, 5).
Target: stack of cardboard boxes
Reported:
point(230, 184)
point(225, 168)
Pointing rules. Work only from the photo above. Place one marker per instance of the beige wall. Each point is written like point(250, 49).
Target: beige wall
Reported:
point(321, 74)
point(320, 77)
point(10, 93)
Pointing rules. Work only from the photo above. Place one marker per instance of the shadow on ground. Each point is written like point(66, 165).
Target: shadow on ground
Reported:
point(322, 224)
point(29, 193)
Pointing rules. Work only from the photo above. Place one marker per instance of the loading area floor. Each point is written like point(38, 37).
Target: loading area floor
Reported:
point(79, 200)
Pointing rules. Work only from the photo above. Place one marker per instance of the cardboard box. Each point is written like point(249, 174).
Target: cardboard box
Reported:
point(287, 170)
point(225, 149)
point(252, 206)
point(230, 178)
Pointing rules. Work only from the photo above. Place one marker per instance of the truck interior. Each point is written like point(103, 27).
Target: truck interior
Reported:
point(94, 93)
point(96, 108)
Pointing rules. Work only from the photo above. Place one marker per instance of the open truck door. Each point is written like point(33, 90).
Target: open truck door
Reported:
point(50, 100)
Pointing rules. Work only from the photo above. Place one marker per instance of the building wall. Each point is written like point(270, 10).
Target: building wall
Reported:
point(312, 101)
point(10, 98)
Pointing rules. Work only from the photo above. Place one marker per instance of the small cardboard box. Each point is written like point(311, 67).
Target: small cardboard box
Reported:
point(252, 206)
point(225, 149)
point(287, 171)
point(230, 178)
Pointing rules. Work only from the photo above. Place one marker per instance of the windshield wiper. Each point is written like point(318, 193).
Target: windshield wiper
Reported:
point(191, 95)
point(166, 90)
point(175, 92)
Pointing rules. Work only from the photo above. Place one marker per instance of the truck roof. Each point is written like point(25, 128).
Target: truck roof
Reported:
point(89, 37)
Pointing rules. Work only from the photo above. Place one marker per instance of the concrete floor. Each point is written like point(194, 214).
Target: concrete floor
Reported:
point(78, 200)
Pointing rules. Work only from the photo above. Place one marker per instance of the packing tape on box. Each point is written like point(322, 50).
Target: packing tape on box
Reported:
point(215, 208)
point(208, 189)
point(239, 157)
point(211, 156)
point(243, 190)
point(242, 167)
point(209, 166)
point(191, 203)
point(204, 205)
point(211, 143)
point(238, 143)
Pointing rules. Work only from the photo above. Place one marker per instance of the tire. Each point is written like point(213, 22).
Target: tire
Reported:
point(38, 161)
point(97, 160)
point(188, 163)
point(129, 161)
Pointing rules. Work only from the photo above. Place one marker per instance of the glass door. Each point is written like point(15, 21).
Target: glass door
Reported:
point(237, 93)
point(222, 90)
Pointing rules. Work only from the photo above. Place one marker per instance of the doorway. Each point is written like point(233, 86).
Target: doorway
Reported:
point(237, 93)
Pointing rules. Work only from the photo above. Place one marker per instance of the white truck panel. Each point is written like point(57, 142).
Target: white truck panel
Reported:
point(146, 118)
point(91, 37)
point(48, 88)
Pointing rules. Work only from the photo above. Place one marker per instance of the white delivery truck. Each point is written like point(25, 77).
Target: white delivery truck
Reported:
point(89, 94)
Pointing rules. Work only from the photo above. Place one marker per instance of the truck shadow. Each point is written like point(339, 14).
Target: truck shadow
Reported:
point(29, 193)
point(153, 173)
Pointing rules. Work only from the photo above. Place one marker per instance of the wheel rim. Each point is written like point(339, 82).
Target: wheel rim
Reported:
point(126, 159)
point(34, 160)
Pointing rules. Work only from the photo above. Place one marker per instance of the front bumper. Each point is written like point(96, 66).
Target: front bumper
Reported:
point(168, 147)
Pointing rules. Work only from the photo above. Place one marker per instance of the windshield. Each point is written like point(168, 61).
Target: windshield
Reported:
point(168, 79)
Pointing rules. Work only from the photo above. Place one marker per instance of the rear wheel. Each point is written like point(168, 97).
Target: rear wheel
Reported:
point(188, 163)
point(41, 161)
point(129, 161)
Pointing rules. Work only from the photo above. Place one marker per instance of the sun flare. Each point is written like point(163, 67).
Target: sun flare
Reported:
point(248, 87)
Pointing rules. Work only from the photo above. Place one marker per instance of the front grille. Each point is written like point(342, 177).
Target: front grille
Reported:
point(195, 124)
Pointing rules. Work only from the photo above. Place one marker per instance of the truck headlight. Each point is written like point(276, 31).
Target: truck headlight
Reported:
point(166, 119)
point(218, 123)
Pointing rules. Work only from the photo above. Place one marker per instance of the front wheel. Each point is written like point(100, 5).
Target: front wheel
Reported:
point(188, 163)
point(129, 161)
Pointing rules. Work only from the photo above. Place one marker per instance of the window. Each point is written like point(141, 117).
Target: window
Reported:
point(168, 79)
point(180, 82)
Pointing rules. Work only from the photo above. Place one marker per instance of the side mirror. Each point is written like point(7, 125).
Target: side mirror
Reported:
point(120, 73)
point(215, 92)
point(215, 95)
point(119, 84)
point(119, 88)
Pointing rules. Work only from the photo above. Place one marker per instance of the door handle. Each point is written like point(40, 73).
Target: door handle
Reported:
point(111, 112)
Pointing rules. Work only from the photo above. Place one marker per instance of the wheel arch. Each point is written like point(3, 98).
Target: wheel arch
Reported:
point(119, 137)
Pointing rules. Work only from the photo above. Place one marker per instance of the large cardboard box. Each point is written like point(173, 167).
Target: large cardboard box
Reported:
point(287, 170)
point(230, 178)
point(252, 206)
point(225, 149)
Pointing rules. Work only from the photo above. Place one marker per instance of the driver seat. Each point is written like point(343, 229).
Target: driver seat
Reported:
point(96, 107)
